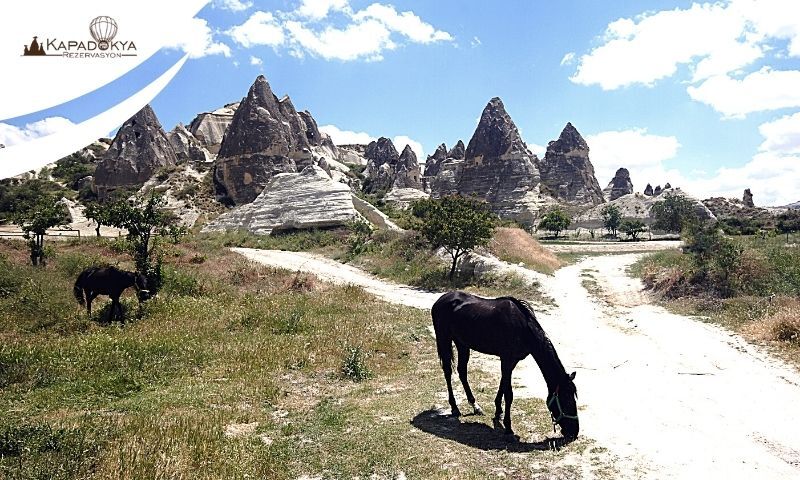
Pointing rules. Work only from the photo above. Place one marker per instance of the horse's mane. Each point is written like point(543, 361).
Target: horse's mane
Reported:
point(538, 332)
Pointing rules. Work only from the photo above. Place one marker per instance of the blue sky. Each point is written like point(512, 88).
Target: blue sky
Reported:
point(702, 96)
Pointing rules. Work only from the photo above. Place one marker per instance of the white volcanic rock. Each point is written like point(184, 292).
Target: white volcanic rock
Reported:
point(209, 127)
point(354, 154)
point(187, 147)
point(373, 215)
point(637, 206)
point(309, 199)
point(402, 197)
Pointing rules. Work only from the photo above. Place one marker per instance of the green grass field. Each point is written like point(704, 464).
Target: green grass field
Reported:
point(236, 371)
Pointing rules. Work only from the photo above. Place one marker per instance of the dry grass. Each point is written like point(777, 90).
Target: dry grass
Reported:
point(781, 325)
point(515, 245)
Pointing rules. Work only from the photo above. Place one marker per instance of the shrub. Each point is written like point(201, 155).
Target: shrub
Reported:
point(632, 228)
point(354, 366)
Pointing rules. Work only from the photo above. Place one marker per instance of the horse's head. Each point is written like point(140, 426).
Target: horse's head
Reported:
point(562, 403)
point(142, 288)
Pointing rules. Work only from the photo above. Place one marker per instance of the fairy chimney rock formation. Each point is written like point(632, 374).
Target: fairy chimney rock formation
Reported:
point(567, 171)
point(458, 151)
point(619, 185)
point(382, 158)
point(434, 162)
point(648, 190)
point(138, 150)
point(497, 165)
point(407, 172)
point(747, 198)
point(266, 136)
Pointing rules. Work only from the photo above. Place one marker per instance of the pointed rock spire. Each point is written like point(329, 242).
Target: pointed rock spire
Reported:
point(567, 171)
point(619, 185)
point(139, 148)
point(457, 152)
point(496, 133)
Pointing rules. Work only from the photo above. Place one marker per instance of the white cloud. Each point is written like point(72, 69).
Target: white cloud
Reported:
point(318, 9)
point(568, 59)
point(711, 39)
point(364, 34)
point(641, 153)
point(194, 37)
point(781, 135)
point(365, 40)
point(232, 5)
point(772, 178)
point(400, 142)
point(347, 137)
point(538, 150)
point(475, 42)
point(256, 61)
point(765, 89)
point(405, 23)
point(262, 28)
point(13, 135)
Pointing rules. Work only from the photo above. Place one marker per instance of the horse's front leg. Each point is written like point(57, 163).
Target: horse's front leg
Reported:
point(506, 367)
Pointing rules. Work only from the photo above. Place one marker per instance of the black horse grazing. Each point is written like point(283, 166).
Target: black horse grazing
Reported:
point(505, 327)
point(109, 281)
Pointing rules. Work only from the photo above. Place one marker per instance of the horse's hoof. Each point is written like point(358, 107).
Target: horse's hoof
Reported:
point(455, 413)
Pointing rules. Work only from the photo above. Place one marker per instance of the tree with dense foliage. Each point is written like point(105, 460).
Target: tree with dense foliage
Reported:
point(788, 222)
point(555, 221)
point(632, 228)
point(144, 221)
point(35, 218)
point(673, 214)
point(455, 223)
point(611, 218)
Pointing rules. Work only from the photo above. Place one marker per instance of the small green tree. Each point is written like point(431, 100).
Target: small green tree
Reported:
point(632, 228)
point(145, 222)
point(555, 221)
point(99, 213)
point(455, 223)
point(611, 218)
point(673, 214)
point(35, 218)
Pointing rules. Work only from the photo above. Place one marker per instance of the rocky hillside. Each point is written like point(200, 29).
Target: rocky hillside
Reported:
point(280, 171)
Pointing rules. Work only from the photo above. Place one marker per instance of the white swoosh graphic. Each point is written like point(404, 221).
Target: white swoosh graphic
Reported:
point(37, 153)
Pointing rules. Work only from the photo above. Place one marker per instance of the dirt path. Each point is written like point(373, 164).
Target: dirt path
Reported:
point(669, 396)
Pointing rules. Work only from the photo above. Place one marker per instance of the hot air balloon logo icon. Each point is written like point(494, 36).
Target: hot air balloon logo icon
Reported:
point(103, 30)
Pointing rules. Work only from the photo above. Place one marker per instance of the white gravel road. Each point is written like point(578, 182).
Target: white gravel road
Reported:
point(667, 395)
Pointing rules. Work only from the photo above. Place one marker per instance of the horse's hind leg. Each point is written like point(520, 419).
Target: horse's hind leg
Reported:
point(444, 347)
point(463, 360)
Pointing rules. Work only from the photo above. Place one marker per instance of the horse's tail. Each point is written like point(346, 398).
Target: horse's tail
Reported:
point(444, 344)
point(77, 290)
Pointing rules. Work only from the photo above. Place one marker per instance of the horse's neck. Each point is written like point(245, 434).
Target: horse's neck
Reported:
point(547, 359)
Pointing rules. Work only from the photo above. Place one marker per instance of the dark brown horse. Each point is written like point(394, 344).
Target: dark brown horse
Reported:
point(505, 327)
point(111, 281)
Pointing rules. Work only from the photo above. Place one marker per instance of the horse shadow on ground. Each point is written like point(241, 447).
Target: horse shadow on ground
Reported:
point(478, 434)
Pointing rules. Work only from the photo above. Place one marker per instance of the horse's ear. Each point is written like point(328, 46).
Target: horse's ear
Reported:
point(572, 376)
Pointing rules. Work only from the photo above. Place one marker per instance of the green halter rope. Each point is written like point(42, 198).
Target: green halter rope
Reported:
point(561, 414)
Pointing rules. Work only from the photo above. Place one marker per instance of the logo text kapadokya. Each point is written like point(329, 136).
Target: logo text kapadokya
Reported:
point(103, 43)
